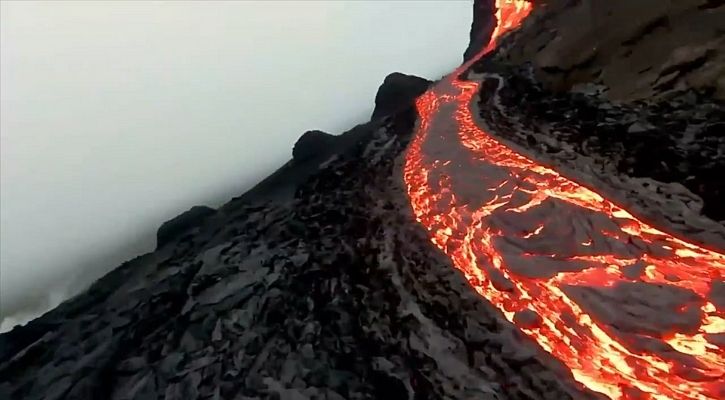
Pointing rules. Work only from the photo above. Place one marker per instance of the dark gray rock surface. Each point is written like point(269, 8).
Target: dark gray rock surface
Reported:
point(319, 284)
point(182, 223)
point(398, 91)
point(311, 144)
point(662, 159)
point(481, 28)
point(282, 183)
point(332, 294)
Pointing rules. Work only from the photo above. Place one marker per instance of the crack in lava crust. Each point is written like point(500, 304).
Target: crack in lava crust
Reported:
point(495, 212)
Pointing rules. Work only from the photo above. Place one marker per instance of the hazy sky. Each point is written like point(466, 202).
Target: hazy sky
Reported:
point(116, 116)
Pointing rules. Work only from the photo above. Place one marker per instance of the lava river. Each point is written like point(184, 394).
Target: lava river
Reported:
point(628, 308)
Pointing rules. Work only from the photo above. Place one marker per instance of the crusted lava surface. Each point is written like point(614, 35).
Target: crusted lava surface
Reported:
point(334, 294)
point(334, 278)
point(662, 158)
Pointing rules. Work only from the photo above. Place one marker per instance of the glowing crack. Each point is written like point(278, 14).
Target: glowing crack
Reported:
point(474, 233)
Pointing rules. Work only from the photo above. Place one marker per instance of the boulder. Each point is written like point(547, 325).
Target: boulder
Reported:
point(398, 92)
point(310, 144)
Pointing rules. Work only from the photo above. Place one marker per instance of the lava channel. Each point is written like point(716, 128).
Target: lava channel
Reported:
point(628, 308)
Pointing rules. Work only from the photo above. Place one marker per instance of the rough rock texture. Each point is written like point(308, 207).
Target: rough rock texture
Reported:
point(641, 49)
point(481, 28)
point(310, 144)
point(315, 149)
point(398, 90)
point(659, 151)
point(319, 284)
point(182, 223)
point(662, 160)
point(335, 294)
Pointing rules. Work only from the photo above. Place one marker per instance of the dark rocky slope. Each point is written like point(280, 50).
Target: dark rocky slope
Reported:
point(397, 92)
point(319, 284)
point(644, 49)
point(659, 152)
point(331, 294)
point(481, 28)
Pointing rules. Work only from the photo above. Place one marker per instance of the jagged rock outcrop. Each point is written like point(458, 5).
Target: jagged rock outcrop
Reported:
point(642, 49)
point(398, 90)
point(319, 283)
point(335, 294)
point(182, 223)
point(311, 144)
point(662, 159)
point(481, 28)
point(656, 148)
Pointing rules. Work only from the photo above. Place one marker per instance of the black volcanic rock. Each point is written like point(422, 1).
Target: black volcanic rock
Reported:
point(311, 144)
point(319, 284)
point(398, 91)
point(481, 28)
point(178, 225)
point(624, 45)
point(334, 293)
point(661, 158)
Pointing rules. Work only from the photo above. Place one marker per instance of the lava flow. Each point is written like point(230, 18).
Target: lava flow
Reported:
point(626, 307)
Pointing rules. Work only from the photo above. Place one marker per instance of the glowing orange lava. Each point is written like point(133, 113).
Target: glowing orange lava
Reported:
point(473, 233)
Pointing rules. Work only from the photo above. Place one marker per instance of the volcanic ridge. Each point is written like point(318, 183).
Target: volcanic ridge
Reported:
point(546, 222)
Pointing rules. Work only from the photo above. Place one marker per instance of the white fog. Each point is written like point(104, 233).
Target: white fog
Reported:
point(117, 116)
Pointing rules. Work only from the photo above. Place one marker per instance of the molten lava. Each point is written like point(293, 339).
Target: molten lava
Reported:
point(496, 213)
